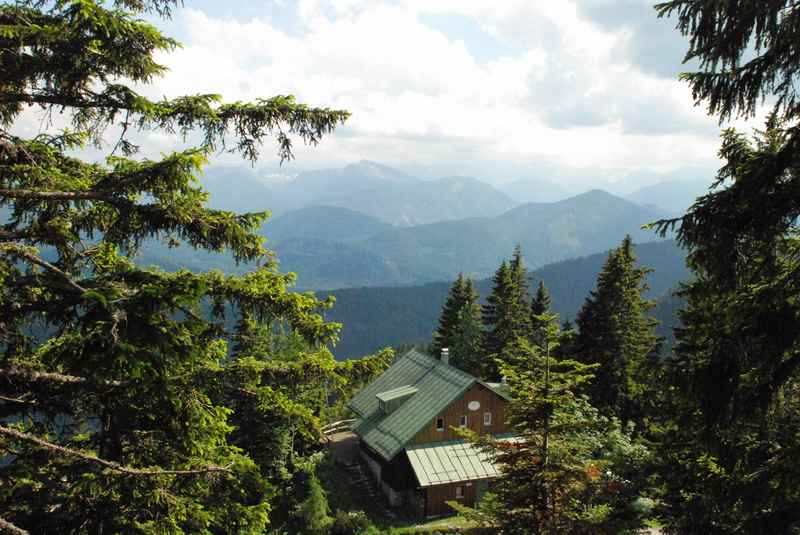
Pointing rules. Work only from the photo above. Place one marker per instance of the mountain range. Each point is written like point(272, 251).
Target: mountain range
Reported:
point(367, 187)
point(673, 196)
point(334, 247)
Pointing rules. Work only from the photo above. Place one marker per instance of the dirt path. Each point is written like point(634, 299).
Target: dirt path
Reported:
point(344, 447)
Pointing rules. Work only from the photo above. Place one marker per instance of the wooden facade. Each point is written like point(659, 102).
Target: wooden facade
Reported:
point(488, 401)
point(436, 498)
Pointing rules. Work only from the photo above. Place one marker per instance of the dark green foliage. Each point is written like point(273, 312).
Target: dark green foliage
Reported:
point(746, 50)
point(460, 328)
point(313, 513)
point(123, 414)
point(540, 306)
point(506, 314)
point(570, 470)
point(614, 332)
point(736, 369)
point(443, 335)
point(467, 339)
point(350, 523)
point(736, 366)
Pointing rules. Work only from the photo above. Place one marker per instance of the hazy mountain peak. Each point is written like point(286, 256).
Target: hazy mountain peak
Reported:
point(673, 196)
point(376, 170)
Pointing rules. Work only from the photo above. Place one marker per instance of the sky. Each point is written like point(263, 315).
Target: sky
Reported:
point(564, 89)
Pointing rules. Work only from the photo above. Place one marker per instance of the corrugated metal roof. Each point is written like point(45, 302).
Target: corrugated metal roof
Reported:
point(395, 393)
point(501, 389)
point(449, 462)
point(406, 370)
point(437, 385)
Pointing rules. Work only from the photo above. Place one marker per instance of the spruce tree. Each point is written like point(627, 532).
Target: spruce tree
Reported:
point(114, 377)
point(733, 441)
point(567, 469)
point(506, 314)
point(443, 336)
point(460, 328)
point(540, 306)
point(615, 333)
point(466, 346)
point(730, 458)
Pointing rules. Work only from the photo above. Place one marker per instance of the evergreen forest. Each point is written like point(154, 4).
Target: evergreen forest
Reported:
point(652, 387)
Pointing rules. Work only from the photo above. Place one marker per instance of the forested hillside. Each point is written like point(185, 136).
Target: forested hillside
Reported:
point(332, 247)
point(373, 318)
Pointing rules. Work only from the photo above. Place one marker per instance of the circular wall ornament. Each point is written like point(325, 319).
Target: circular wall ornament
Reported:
point(474, 405)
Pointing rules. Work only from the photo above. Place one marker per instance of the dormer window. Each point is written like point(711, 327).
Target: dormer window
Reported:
point(440, 424)
point(389, 400)
point(462, 420)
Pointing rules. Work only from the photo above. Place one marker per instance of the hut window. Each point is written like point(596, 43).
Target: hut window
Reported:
point(462, 420)
point(487, 419)
point(459, 492)
point(440, 424)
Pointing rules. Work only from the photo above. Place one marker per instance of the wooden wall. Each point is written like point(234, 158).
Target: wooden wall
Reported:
point(490, 402)
point(436, 498)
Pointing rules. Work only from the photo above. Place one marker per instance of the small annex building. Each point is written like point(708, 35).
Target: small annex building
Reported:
point(405, 425)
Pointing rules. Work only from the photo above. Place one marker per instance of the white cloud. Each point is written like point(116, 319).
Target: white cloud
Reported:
point(420, 98)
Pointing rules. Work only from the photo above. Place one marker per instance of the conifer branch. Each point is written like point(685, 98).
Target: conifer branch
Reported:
point(13, 236)
point(17, 400)
point(33, 259)
point(8, 527)
point(29, 194)
point(144, 472)
point(35, 376)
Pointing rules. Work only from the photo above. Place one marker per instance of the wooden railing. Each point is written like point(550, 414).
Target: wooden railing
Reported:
point(337, 427)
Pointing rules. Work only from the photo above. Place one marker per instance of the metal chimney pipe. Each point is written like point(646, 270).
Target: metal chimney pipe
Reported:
point(445, 355)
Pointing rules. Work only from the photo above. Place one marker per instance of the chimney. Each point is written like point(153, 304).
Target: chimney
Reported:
point(445, 355)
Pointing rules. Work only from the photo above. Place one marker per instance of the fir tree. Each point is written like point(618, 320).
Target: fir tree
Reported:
point(614, 332)
point(314, 512)
point(443, 336)
point(733, 441)
point(519, 274)
point(114, 372)
point(466, 345)
point(540, 306)
point(460, 329)
point(730, 457)
point(562, 474)
point(506, 314)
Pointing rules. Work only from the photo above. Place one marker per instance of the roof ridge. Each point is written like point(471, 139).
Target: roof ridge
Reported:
point(439, 362)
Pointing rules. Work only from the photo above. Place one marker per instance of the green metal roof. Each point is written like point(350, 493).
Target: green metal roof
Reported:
point(501, 389)
point(449, 462)
point(438, 384)
point(397, 393)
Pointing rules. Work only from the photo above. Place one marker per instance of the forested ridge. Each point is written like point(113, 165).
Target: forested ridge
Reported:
point(373, 318)
point(146, 399)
